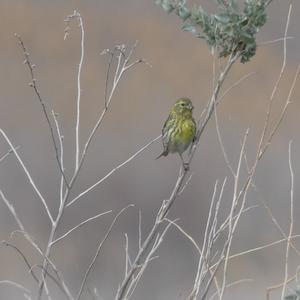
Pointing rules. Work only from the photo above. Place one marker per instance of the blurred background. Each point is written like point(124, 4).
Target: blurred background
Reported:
point(181, 66)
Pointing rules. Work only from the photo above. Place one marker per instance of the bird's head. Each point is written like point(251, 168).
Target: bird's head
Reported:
point(183, 106)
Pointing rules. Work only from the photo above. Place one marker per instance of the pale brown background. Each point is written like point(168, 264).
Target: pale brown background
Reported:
point(182, 65)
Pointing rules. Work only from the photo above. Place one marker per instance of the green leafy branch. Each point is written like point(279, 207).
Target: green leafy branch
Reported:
point(230, 31)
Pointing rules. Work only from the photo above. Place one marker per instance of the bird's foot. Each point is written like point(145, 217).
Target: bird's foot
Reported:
point(186, 166)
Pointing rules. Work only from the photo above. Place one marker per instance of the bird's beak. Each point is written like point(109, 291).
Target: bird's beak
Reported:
point(191, 107)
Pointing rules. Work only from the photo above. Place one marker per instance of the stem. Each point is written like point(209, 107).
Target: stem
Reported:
point(79, 91)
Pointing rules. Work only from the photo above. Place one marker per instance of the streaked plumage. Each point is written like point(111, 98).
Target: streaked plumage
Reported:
point(179, 129)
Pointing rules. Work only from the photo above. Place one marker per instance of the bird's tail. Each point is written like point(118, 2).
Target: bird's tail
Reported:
point(165, 153)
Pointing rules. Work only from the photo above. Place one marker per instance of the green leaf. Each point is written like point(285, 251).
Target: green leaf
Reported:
point(188, 27)
point(167, 7)
point(184, 13)
point(222, 18)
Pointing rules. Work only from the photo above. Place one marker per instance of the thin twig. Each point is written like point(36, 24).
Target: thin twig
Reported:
point(268, 2)
point(112, 54)
point(28, 175)
point(234, 85)
point(98, 250)
point(32, 242)
point(114, 170)
point(33, 84)
point(252, 250)
point(16, 285)
point(282, 115)
point(62, 284)
point(56, 281)
point(6, 154)
point(278, 286)
point(142, 267)
point(270, 213)
point(12, 210)
point(140, 230)
point(232, 223)
point(231, 285)
point(60, 138)
point(79, 225)
point(186, 184)
point(78, 17)
point(7, 244)
point(205, 247)
point(121, 69)
point(225, 155)
point(275, 41)
point(189, 237)
point(286, 270)
point(275, 88)
point(127, 257)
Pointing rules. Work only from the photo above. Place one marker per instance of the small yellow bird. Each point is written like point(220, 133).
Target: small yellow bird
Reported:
point(179, 130)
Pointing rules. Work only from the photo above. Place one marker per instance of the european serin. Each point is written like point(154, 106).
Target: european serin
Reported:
point(180, 129)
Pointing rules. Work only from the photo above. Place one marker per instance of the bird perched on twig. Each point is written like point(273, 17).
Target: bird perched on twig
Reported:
point(179, 130)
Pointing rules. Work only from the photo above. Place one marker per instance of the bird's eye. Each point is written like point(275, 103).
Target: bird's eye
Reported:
point(182, 104)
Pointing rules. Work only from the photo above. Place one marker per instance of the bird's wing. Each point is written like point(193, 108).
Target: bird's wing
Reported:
point(167, 130)
point(195, 130)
